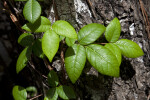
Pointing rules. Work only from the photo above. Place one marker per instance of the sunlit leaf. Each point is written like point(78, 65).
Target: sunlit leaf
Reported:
point(113, 30)
point(90, 33)
point(129, 48)
point(63, 28)
point(66, 92)
point(75, 59)
point(19, 93)
point(102, 59)
point(26, 39)
point(115, 50)
point(50, 44)
point(32, 10)
point(23, 59)
point(70, 41)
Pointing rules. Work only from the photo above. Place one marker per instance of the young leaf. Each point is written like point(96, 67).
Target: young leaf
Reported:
point(103, 60)
point(115, 50)
point(32, 10)
point(65, 29)
point(19, 93)
point(37, 48)
point(66, 92)
point(51, 94)
point(90, 33)
point(113, 30)
point(42, 24)
point(50, 44)
point(75, 59)
point(26, 39)
point(61, 38)
point(53, 79)
point(23, 59)
point(31, 89)
point(129, 48)
point(70, 41)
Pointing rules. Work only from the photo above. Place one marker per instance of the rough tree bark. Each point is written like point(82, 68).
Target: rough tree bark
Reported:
point(134, 80)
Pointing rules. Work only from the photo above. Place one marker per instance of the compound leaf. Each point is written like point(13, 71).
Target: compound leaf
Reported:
point(32, 10)
point(115, 50)
point(75, 59)
point(66, 92)
point(23, 59)
point(129, 48)
point(113, 30)
point(19, 93)
point(90, 33)
point(70, 41)
point(37, 48)
point(65, 29)
point(42, 24)
point(26, 39)
point(53, 79)
point(50, 44)
point(103, 60)
point(51, 94)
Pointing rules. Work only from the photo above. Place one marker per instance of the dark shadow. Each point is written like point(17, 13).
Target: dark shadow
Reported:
point(70, 52)
point(126, 70)
point(27, 40)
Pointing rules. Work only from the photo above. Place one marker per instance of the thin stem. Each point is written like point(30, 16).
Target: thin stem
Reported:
point(47, 64)
point(36, 97)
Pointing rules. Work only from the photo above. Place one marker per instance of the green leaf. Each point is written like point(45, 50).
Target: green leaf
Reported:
point(113, 30)
point(75, 59)
point(50, 44)
point(42, 24)
point(129, 48)
point(31, 89)
point(115, 50)
point(70, 41)
point(53, 79)
point(65, 29)
point(32, 10)
point(61, 38)
point(26, 39)
point(103, 60)
point(51, 94)
point(90, 33)
point(23, 58)
point(66, 92)
point(19, 93)
point(37, 48)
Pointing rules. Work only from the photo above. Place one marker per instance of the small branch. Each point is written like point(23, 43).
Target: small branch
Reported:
point(36, 97)
point(47, 64)
point(145, 18)
point(32, 65)
point(101, 43)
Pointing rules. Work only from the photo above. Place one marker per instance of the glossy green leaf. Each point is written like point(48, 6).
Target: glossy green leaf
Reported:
point(115, 50)
point(31, 89)
point(103, 60)
point(129, 48)
point(19, 93)
point(32, 10)
point(50, 44)
point(37, 48)
point(26, 39)
point(23, 59)
point(113, 30)
point(42, 24)
point(51, 94)
point(75, 59)
point(53, 79)
point(63, 28)
point(70, 41)
point(66, 92)
point(90, 33)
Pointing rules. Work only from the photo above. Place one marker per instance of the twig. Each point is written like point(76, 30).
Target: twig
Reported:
point(47, 64)
point(145, 18)
point(36, 97)
point(32, 65)
point(12, 16)
point(148, 98)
